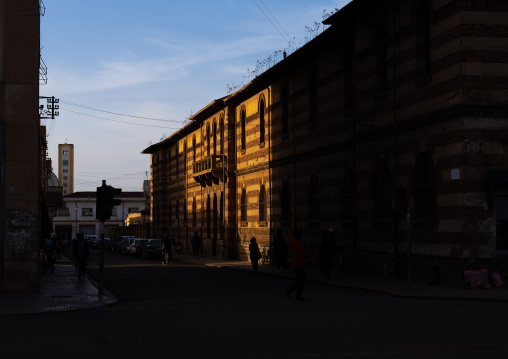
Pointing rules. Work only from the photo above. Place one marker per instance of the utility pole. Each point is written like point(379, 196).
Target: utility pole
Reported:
point(51, 108)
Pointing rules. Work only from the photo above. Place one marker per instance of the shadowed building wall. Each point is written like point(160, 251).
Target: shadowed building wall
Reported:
point(20, 145)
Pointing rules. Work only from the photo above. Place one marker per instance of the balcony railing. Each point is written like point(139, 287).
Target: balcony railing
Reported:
point(43, 72)
point(210, 170)
point(62, 212)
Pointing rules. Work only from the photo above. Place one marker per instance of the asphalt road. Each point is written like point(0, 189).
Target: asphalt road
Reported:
point(192, 311)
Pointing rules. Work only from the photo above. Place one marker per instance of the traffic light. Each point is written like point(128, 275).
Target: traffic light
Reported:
point(100, 204)
point(105, 201)
point(110, 200)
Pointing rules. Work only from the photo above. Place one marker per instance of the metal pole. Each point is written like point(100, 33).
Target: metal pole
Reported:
point(395, 139)
point(409, 264)
point(101, 259)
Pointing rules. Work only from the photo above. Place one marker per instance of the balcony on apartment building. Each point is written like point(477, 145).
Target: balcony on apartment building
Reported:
point(210, 170)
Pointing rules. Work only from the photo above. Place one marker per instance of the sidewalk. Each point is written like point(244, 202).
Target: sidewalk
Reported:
point(62, 290)
point(371, 284)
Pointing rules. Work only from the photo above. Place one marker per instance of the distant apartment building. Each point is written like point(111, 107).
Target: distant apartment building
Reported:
point(66, 167)
point(79, 211)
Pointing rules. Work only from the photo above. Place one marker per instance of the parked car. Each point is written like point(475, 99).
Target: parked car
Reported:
point(96, 243)
point(152, 249)
point(90, 238)
point(122, 243)
point(128, 249)
point(138, 246)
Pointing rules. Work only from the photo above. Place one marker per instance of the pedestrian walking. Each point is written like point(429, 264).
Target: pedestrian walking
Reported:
point(280, 248)
point(65, 244)
point(165, 249)
point(58, 246)
point(196, 245)
point(297, 265)
point(81, 250)
point(327, 252)
point(254, 254)
point(75, 251)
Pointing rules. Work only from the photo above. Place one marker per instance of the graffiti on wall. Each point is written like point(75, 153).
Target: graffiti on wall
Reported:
point(20, 226)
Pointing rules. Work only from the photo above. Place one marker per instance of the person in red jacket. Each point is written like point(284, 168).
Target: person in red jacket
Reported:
point(297, 265)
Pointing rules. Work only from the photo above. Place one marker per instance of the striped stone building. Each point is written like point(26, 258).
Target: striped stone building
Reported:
point(390, 127)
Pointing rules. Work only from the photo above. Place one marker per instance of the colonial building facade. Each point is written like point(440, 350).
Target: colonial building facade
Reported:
point(390, 127)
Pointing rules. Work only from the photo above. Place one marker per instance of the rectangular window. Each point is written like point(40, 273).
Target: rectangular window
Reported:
point(65, 152)
point(65, 171)
point(501, 211)
point(62, 212)
point(86, 212)
point(65, 162)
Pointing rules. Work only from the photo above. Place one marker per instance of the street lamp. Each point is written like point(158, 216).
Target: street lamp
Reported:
point(76, 219)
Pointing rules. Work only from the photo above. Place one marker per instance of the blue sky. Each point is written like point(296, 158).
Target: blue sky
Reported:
point(128, 73)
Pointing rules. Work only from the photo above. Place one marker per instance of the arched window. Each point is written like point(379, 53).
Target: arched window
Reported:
point(177, 211)
point(157, 213)
point(221, 125)
point(185, 157)
point(425, 187)
point(214, 135)
point(285, 199)
point(284, 100)
point(242, 124)
point(169, 162)
point(313, 101)
point(177, 154)
point(208, 217)
point(221, 209)
point(382, 191)
point(214, 217)
point(208, 140)
point(262, 121)
point(194, 212)
point(380, 58)
point(349, 194)
point(314, 198)
point(348, 80)
point(185, 211)
point(194, 148)
point(243, 206)
point(170, 212)
point(422, 28)
point(262, 204)
point(221, 217)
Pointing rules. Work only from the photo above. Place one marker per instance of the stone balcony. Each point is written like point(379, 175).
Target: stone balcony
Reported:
point(210, 170)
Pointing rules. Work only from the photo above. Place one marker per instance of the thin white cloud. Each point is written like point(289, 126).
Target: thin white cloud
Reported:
point(174, 67)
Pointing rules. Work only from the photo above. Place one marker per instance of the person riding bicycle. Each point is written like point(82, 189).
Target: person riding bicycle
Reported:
point(165, 249)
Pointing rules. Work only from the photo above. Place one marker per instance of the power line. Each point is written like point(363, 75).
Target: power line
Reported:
point(277, 21)
point(108, 119)
point(116, 113)
point(271, 22)
point(115, 174)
